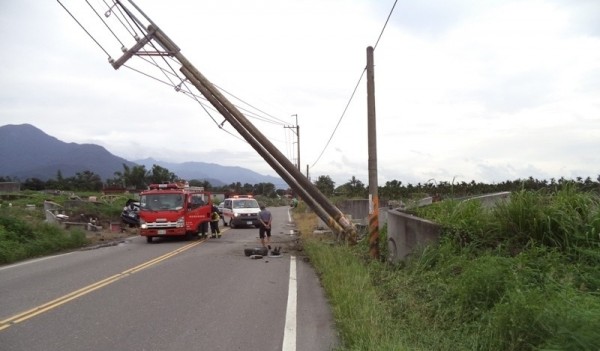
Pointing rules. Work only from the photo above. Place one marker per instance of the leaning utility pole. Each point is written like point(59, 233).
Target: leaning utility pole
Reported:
point(154, 37)
point(372, 133)
point(310, 194)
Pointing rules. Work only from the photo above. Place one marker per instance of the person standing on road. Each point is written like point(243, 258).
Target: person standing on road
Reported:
point(214, 223)
point(265, 217)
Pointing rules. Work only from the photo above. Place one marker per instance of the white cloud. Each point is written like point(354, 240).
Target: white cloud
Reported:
point(484, 91)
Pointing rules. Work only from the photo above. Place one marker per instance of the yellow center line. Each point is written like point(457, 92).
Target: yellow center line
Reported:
point(22, 316)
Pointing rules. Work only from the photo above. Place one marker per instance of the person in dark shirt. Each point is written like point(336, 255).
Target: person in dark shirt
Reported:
point(264, 231)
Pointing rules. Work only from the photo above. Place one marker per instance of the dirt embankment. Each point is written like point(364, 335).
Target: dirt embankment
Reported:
point(109, 236)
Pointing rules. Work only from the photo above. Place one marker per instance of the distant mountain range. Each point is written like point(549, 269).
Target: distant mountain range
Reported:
point(28, 152)
point(216, 174)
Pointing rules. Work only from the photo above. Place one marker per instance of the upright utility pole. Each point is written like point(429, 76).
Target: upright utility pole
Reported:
point(297, 140)
point(372, 135)
point(298, 136)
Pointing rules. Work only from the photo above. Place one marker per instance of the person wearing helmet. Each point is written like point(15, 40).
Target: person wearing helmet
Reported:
point(214, 222)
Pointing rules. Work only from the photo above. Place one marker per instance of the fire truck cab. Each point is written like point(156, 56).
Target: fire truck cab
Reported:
point(174, 210)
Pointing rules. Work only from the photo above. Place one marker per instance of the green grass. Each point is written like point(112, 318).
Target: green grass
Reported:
point(357, 308)
point(20, 239)
point(24, 233)
point(523, 276)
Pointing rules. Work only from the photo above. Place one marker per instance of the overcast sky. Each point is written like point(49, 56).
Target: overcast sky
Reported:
point(465, 90)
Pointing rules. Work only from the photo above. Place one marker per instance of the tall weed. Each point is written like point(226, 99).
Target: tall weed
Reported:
point(20, 239)
point(568, 220)
point(543, 319)
point(520, 219)
point(361, 318)
point(523, 276)
point(482, 283)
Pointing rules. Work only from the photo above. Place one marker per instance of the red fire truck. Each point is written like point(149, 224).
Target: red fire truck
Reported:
point(174, 210)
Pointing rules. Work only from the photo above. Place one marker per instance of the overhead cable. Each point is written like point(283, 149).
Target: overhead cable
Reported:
point(355, 88)
point(172, 76)
point(85, 30)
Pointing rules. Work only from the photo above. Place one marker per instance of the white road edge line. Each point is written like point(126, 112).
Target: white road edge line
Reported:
point(36, 260)
point(289, 333)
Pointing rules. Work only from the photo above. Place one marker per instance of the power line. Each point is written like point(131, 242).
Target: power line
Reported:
point(124, 24)
point(355, 88)
point(385, 25)
point(341, 117)
point(82, 27)
point(170, 73)
point(280, 121)
point(109, 11)
point(105, 24)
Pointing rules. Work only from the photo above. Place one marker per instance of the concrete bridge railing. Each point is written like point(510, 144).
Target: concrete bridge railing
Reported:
point(407, 232)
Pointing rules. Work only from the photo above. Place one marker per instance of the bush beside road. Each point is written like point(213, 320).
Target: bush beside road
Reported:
point(521, 277)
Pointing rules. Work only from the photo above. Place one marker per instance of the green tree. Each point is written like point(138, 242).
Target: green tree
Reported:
point(86, 181)
point(325, 185)
point(160, 175)
point(118, 180)
point(201, 183)
point(353, 188)
point(248, 188)
point(235, 188)
point(392, 190)
point(60, 181)
point(283, 192)
point(132, 178)
point(33, 184)
point(265, 189)
point(120, 176)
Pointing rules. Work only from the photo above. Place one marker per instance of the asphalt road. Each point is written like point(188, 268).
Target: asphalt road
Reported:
point(168, 295)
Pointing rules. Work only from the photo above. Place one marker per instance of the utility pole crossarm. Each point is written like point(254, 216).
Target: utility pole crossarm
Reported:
point(133, 51)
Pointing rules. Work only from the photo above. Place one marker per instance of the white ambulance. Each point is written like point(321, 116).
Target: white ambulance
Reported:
point(241, 210)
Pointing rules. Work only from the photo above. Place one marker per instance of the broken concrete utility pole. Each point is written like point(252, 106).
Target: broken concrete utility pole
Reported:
point(318, 202)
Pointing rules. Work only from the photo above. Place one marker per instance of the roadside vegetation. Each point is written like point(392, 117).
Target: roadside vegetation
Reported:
point(24, 233)
point(84, 197)
point(521, 276)
point(20, 239)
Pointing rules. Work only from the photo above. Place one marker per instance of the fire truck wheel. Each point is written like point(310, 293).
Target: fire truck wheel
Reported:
point(148, 239)
point(231, 225)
